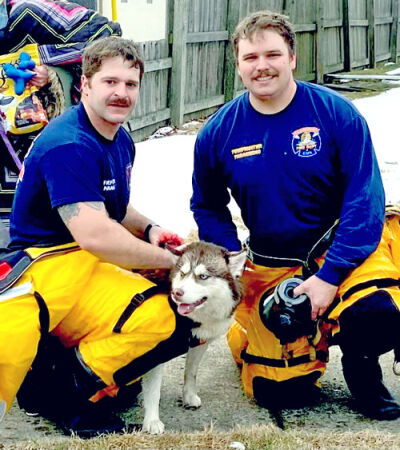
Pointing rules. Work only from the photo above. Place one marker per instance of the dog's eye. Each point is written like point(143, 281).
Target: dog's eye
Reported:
point(203, 276)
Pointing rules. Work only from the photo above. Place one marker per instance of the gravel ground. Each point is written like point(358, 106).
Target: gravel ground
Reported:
point(225, 405)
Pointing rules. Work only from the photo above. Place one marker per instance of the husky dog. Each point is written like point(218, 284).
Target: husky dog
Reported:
point(205, 287)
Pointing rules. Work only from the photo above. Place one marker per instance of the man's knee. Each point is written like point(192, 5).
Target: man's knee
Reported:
point(370, 326)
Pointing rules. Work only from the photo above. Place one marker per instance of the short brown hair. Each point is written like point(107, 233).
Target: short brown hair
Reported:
point(264, 20)
point(110, 47)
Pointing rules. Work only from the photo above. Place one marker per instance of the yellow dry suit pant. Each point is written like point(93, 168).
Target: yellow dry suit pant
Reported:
point(379, 272)
point(85, 298)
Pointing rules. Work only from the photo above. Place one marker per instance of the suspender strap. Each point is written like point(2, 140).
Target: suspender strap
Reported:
point(297, 360)
point(44, 317)
point(175, 345)
point(380, 284)
point(13, 264)
point(136, 301)
point(270, 261)
point(310, 266)
point(9, 147)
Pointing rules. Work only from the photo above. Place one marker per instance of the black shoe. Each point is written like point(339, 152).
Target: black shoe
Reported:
point(385, 409)
point(36, 394)
point(363, 376)
point(91, 423)
point(28, 396)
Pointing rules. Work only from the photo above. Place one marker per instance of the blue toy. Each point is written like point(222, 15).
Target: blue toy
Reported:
point(21, 74)
point(26, 62)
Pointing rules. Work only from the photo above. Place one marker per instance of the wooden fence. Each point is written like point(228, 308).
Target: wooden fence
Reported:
point(191, 72)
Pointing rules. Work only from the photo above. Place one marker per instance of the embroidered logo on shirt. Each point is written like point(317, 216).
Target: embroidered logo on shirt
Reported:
point(109, 185)
point(249, 150)
point(306, 142)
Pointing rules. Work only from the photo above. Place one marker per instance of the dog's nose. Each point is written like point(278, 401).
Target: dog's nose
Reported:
point(178, 292)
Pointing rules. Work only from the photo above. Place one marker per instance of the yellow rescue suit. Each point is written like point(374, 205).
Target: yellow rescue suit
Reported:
point(85, 298)
point(259, 353)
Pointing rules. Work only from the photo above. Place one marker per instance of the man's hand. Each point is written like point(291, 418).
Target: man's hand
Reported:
point(160, 236)
point(320, 293)
point(41, 77)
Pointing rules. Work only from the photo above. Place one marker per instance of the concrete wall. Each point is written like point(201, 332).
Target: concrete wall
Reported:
point(141, 20)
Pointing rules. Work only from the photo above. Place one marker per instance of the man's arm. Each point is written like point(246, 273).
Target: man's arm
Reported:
point(96, 232)
point(210, 199)
point(361, 218)
point(363, 206)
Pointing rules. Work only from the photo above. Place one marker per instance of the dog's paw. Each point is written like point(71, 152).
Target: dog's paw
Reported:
point(153, 426)
point(191, 401)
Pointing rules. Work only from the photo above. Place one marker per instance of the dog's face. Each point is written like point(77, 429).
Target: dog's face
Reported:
point(205, 281)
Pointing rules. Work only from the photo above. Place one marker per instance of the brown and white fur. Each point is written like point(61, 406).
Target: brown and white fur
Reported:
point(205, 286)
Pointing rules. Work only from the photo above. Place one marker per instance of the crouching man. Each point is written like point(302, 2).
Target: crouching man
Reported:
point(299, 161)
point(74, 239)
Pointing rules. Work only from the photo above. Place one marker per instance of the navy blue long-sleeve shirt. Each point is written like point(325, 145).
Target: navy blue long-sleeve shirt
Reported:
point(292, 174)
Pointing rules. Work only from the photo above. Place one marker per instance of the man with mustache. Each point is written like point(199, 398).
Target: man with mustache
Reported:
point(72, 216)
point(299, 161)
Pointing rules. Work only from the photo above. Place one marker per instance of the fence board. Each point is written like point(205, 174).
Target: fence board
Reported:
point(383, 24)
point(359, 40)
point(333, 36)
point(153, 92)
point(394, 31)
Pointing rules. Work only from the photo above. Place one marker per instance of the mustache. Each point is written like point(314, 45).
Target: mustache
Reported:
point(266, 73)
point(119, 103)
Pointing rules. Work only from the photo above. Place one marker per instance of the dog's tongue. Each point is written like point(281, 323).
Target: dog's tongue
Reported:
point(186, 308)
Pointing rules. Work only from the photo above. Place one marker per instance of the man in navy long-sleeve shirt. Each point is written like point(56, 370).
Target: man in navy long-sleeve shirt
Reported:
point(299, 161)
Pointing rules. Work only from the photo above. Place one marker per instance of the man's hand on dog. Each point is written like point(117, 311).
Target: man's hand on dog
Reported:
point(164, 238)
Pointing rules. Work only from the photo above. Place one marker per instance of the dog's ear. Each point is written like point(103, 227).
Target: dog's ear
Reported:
point(177, 252)
point(237, 261)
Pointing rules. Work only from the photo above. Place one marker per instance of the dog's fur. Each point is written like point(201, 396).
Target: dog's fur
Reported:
point(205, 286)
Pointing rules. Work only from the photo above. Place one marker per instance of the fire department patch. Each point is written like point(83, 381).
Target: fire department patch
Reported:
point(306, 142)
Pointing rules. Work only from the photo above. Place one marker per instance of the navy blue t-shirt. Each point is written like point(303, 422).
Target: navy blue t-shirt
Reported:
point(69, 162)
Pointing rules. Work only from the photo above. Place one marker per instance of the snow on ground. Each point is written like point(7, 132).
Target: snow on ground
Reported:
point(382, 113)
point(162, 181)
point(161, 178)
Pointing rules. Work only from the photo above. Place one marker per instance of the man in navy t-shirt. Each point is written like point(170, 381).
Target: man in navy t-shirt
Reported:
point(71, 212)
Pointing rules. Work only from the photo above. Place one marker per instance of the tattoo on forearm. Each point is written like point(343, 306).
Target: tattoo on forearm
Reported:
point(67, 212)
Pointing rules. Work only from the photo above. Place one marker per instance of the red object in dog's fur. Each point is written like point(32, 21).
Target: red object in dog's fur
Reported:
point(170, 240)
